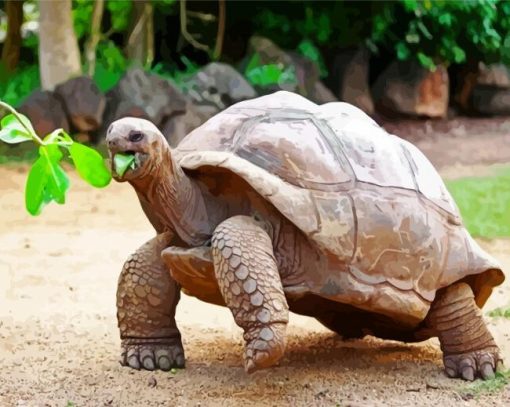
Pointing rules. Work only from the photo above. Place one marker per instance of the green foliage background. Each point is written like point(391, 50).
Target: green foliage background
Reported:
point(430, 32)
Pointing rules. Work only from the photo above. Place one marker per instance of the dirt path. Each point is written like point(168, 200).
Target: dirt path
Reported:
point(59, 341)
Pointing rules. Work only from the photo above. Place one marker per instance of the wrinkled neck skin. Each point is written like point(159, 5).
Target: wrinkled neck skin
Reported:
point(173, 201)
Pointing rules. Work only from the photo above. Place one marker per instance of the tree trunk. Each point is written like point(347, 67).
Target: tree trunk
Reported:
point(59, 55)
point(140, 42)
point(12, 44)
point(95, 36)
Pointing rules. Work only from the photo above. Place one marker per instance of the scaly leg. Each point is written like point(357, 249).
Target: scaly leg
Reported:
point(468, 347)
point(250, 284)
point(146, 301)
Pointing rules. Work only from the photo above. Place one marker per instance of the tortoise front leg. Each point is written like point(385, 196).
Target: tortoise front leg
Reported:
point(250, 284)
point(468, 347)
point(146, 301)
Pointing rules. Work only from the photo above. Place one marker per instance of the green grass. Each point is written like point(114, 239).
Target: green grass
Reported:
point(499, 313)
point(490, 386)
point(484, 203)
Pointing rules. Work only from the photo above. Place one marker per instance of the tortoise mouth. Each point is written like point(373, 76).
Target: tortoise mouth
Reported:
point(134, 169)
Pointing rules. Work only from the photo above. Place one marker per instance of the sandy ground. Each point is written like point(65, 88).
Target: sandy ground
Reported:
point(59, 342)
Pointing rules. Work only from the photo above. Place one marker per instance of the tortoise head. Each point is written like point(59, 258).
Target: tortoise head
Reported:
point(140, 139)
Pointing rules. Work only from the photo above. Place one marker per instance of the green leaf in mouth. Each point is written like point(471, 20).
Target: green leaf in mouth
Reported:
point(123, 162)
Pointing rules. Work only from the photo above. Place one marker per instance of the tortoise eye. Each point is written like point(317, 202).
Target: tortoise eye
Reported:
point(136, 136)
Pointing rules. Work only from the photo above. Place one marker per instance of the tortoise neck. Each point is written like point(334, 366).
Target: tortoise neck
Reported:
point(177, 201)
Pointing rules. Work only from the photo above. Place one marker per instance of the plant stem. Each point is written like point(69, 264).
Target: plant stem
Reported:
point(16, 114)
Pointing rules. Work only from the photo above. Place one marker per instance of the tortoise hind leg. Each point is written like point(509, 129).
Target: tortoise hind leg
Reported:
point(468, 347)
point(146, 301)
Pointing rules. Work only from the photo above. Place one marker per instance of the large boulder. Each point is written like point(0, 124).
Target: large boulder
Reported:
point(496, 75)
point(45, 111)
point(219, 85)
point(306, 72)
point(83, 102)
point(484, 90)
point(490, 100)
point(179, 126)
point(144, 95)
point(350, 78)
point(407, 88)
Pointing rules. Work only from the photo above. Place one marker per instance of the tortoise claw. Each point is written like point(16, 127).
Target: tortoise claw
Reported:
point(487, 371)
point(469, 366)
point(468, 373)
point(151, 355)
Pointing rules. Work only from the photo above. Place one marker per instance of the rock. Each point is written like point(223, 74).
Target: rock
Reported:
point(350, 81)
point(497, 75)
point(307, 75)
point(45, 111)
point(152, 382)
point(484, 90)
point(83, 102)
point(406, 88)
point(494, 77)
point(467, 396)
point(322, 94)
point(490, 101)
point(144, 95)
point(219, 85)
point(464, 82)
point(179, 126)
point(432, 384)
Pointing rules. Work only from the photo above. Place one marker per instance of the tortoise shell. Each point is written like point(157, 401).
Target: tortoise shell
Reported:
point(371, 202)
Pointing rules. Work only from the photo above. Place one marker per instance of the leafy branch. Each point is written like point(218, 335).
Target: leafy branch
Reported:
point(47, 180)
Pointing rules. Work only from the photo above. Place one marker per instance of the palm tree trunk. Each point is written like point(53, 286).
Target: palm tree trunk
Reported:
point(59, 55)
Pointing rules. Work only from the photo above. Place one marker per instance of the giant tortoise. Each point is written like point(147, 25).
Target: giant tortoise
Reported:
point(279, 204)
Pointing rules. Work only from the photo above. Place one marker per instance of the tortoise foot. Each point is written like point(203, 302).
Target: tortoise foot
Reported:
point(468, 366)
point(264, 347)
point(469, 350)
point(152, 354)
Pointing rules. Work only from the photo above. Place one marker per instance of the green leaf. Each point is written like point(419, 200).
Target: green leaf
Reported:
point(410, 5)
point(13, 131)
point(13, 136)
point(426, 61)
point(58, 182)
point(445, 19)
point(58, 136)
point(12, 121)
point(90, 165)
point(46, 180)
point(122, 162)
point(413, 38)
point(402, 51)
point(54, 152)
point(36, 196)
point(424, 30)
point(253, 63)
point(459, 55)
